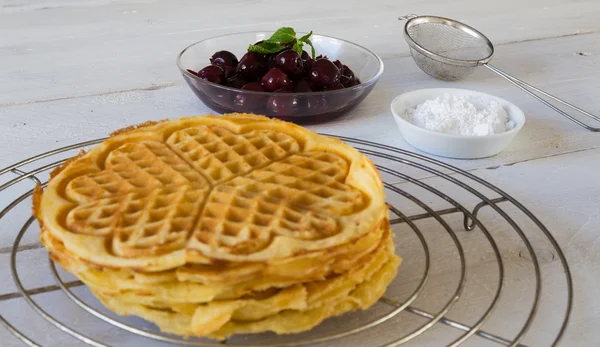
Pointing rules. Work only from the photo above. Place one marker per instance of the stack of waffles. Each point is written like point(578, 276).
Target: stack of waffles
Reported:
point(213, 226)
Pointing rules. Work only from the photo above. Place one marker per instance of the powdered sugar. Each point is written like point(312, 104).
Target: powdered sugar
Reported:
point(460, 115)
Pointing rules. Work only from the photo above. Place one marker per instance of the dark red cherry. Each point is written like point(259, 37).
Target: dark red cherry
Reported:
point(348, 77)
point(308, 63)
point(229, 71)
point(334, 86)
point(253, 86)
point(223, 59)
point(316, 104)
point(350, 82)
point(193, 72)
point(346, 71)
point(275, 79)
point(283, 104)
point(289, 62)
point(324, 73)
point(212, 73)
point(236, 81)
point(346, 81)
point(302, 87)
point(305, 55)
point(271, 61)
point(338, 64)
point(252, 66)
point(248, 102)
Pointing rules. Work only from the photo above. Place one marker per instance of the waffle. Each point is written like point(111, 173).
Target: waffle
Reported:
point(176, 287)
point(293, 309)
point(212, 226)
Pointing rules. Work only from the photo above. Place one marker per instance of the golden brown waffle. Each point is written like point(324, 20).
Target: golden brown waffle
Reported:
point(212, 226)
point(199, 189)
point(170, 288)
point(293, 309)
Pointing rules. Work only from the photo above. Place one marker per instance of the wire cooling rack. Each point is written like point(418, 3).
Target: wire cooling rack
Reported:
point(479, 268)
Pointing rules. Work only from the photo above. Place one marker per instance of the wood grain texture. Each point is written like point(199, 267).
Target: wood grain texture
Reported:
point(129, 45)
point(72, 71)
point(550, 64)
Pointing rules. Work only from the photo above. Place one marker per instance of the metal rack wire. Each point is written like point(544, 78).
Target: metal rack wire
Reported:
point(403, 173)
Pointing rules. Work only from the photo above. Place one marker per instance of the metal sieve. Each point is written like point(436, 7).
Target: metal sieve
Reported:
point(450, 50)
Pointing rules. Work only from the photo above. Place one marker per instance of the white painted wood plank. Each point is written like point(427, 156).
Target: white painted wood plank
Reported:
point(551, 64)
point(64, 49)
point(552, 189)
point(66, 312)
point(539, 184)
point(68, 49)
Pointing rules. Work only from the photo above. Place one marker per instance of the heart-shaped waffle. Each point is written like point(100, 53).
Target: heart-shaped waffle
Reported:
point(237, 188)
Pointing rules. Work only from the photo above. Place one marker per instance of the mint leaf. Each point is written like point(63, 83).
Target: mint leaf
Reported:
point(305, 37)
point(283, 35)
point(265, 47)
point(312, 48)
point(298, 46)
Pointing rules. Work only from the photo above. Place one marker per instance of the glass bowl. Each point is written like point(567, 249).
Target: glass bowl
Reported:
point(295, 107)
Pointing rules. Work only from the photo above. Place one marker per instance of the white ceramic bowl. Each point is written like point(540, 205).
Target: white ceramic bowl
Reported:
point(453, 146)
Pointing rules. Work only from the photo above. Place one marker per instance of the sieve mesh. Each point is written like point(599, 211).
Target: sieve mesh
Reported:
point(449, 41)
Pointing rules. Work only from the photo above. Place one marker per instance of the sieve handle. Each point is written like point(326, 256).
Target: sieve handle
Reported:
point(528, 88)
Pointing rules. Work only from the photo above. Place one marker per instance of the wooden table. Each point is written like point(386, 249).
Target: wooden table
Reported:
point(72, 71)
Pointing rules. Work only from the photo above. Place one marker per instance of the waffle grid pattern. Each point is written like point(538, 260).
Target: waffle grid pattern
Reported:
point(222, 155)
point(234, 192)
